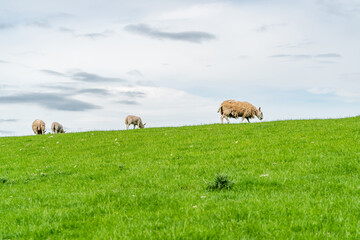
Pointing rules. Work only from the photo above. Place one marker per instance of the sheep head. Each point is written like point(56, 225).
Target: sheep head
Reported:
point(259, 114)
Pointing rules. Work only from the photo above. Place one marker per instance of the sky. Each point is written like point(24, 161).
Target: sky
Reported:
point(89, 64)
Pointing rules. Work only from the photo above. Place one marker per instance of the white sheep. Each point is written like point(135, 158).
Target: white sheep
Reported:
point(135, 120)
point(57, 128)
point(38, 126)
point(235, 109)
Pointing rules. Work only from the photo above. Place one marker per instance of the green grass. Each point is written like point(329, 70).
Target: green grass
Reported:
point(292, 180)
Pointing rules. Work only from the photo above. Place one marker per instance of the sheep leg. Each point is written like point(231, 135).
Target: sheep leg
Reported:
point(227, 119)
point(127, 126)
point(222, 118)
point(248, 120)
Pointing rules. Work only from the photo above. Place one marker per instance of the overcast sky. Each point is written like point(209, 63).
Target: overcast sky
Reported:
point(88, 64)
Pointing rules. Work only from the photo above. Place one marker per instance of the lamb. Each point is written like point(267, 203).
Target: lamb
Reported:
point(135, 120)
point(38, 126)
point(235, 109)
point(57, 128)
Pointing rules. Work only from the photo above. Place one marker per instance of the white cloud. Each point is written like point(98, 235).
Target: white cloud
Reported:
point(339, 7)
point(321, 90)
point(344, 95)
point(197, 11)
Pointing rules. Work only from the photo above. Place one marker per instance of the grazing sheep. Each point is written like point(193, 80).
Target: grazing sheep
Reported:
point(235, 109)
point(38, 126)
point(135, 120)
point(57, 128)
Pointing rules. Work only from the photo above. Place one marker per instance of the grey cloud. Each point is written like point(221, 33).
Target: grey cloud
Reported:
point(2, 61)
point(45, 21)
point(262, 28)
point(83, 76)
point(327, 62)
point(4, 26)
point(96, 35)
point(128, 102)
point(306, 56)
point(96, 91)
point(89, 77)
point(93, 35)
point(59, 87)
point(188, 36)
point(67, 30)
point(296, 56)
point(42, 23)
point(8, 120)
point(280, 56)
point(292, 56)
point(54, 73)
point(69, 90)
point(49, 101)
point(328, 55)
point(135, 73)
point(133, 94)
point(267, 27)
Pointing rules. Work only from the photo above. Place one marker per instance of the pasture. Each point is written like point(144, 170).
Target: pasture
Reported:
point(292, 179)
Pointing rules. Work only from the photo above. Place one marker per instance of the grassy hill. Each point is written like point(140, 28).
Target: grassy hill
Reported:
point(292, 179)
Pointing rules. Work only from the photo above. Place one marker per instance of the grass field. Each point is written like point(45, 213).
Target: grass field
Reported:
point(292, 180)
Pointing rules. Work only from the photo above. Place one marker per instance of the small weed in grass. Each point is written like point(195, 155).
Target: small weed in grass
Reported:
point(121, 167)
point(220, 182)
point(3, 180)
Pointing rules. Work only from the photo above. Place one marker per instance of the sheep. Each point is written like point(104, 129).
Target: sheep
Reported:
point(38, 126)
point(57, 128)
point(135, 120)
point(235, 109)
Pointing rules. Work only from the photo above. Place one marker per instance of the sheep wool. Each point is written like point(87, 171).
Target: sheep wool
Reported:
point(38, 127)
point(235, 109)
